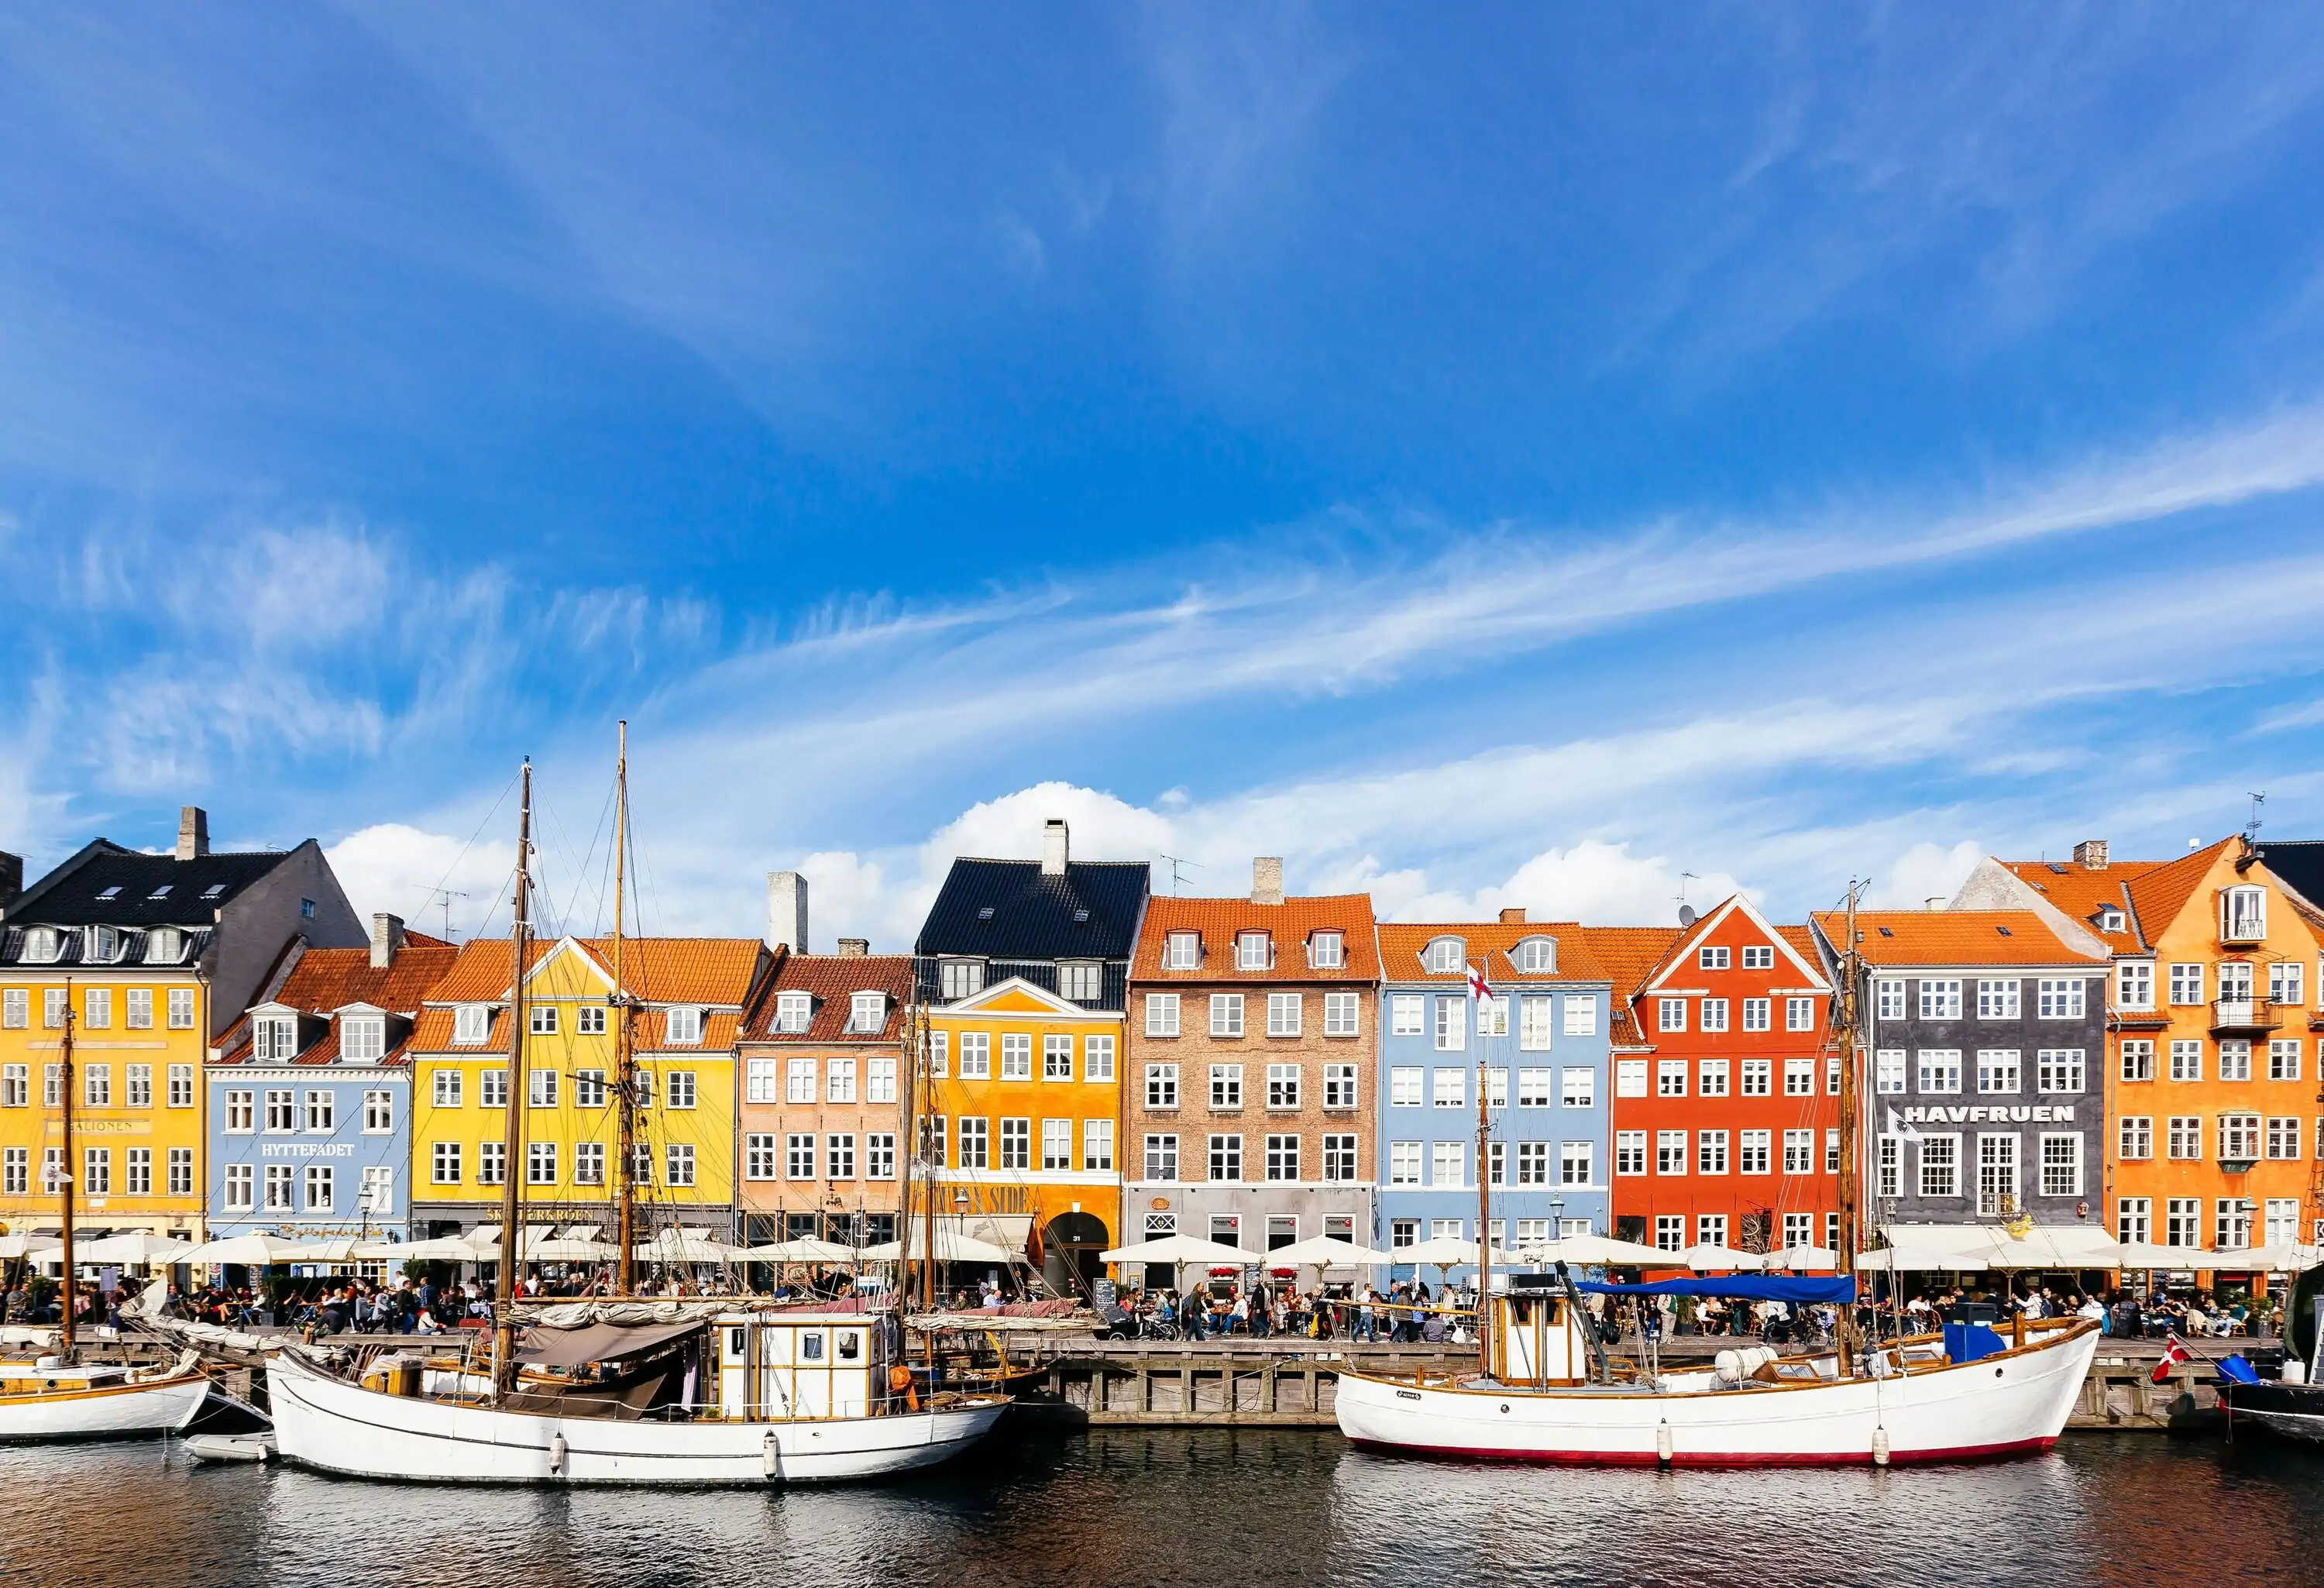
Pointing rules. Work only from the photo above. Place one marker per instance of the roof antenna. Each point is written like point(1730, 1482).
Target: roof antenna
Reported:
point(441, 898)
point(1685, 911)
point(2251, 828)
point(1175, 864)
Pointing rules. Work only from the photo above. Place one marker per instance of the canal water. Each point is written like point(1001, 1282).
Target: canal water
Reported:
point(1186, 1508)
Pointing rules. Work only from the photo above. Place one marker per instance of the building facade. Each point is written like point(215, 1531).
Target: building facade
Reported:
point(1540, 1047)
point(1987, 1031)
point(309, 1095)
point(2213, 1129)
point(1728, 1132)
point(685, 997)
point(1252, 1074)
point(822, 1116)
point(155, 955)
point(1024, 966)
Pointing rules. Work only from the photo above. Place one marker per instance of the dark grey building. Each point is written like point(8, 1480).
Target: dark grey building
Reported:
point(1986, 1087)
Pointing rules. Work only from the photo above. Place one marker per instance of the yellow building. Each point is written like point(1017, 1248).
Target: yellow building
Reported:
point(686, 997)
point(155, 955)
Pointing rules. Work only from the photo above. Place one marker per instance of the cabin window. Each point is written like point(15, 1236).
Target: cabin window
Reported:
point(851, 1345)
point(735, 1339)
point(811, 1345)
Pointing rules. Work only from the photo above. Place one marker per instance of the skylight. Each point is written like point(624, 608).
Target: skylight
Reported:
point(214, 889)
point(984, 913)
point(1080, 916)
point(161, 892)
point(112, 893)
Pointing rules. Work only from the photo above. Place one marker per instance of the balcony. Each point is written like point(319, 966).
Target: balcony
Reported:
point(2244, 1014)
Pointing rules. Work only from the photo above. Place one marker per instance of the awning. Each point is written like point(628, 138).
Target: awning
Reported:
point(569, 1348)
point(1739, 1288)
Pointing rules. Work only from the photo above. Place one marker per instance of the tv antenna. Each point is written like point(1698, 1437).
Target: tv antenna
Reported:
point(1685, 911)
point(441, 899)
point(2251, 828)
point(1175, 864)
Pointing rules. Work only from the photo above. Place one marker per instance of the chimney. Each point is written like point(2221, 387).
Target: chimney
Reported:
point(1934, 901)
point(1513, 916)
point(1266, 880)
point(787, 911)
point(1056, 847)
point(386, 938)
point(12, 878)
point(2090, 855)
point(855, 948)
point(193, 832)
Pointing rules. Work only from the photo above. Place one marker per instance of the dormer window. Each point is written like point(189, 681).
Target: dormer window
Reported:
point(363, 1038)
point(1183, 952)
point(683, 1027)
point(1537, 956)
point(793, 1011)
point(961, 978)
point(1445, 954)
point(1253, 952)
point(1326, 951)
point(274, 1038)
point(2112, 920)
point(1083, 981)
point(472, 1024)
point(43, 945)
point(101, 947)
point(2243, 914)
point(164, 945)
point(867, 1012)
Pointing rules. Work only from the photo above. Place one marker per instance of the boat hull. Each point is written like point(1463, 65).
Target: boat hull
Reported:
point(2014, 1404)
point(110, 1411)
point(334, 1427)
point(2289, 1411)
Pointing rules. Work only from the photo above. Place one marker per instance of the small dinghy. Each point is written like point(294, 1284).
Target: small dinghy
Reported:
point(223, 1448)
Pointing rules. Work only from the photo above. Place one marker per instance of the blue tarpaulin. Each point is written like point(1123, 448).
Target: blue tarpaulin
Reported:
point(1837, 1289)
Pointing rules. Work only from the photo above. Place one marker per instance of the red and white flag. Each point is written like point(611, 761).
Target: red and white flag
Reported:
point(2173, 1353)
point(1478, 986)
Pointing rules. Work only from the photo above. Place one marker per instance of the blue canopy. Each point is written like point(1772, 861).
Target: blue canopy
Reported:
point(1839, 1290)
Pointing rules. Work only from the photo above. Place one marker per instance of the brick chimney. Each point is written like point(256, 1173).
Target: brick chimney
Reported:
point(387, 940)
point(193, 832)
point(1513, 916)
point(855, 948)
point(1056, 847)
point(12, 878)
point(2090, 855)
point(787, 911)
point(1266, 880)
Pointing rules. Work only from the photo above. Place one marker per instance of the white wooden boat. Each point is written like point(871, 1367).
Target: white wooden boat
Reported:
point(1750, 1409)
point(48, 1398)
point(750, 1398)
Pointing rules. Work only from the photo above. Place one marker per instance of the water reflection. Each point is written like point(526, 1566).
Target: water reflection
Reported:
point(1189, 1506)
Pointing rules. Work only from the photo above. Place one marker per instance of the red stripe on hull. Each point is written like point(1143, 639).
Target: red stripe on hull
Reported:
point(1595, 1458)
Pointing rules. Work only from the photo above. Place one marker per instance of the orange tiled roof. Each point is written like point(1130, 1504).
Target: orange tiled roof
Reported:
point(1289, 923)
point(1631, 955)
point(1952, 936)
point(326, 980)
point(657, 970)
point(834, 979)
point(2162, 892)
point(1401, 944)
point(2081, 892)
point(432, 1033)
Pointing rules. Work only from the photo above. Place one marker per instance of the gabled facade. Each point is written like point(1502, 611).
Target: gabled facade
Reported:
point(310, 1093)
point(1251, 1076)
point(686, 998)
point(1727, 1129)
point(822, 1116)
point(156, 954)
point(1024, 967)
point(2213, 1023)
point(1987, 1034)
point(1541, 1052)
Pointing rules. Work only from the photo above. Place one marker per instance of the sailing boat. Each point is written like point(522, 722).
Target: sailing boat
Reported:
point(54, 1395)
point(1545, 1390)
point(621, 1390)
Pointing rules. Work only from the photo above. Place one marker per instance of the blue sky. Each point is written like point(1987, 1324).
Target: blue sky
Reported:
point(1519, 455)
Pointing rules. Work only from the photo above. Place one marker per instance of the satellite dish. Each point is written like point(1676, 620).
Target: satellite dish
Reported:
point(1686, 915)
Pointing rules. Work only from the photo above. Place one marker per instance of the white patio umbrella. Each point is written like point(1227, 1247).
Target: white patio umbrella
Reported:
point(12, 1247)
point(1323, 1252)
point(1720, 1260)
point(1445, 1253)
point(1181, 1248)
point(952, 1246)
point(255, 1251)
point(134, 1246)
point(2145, 1255)
point(2280, 1257)
point(1917, 1260)
point(438, 1249)
point(1599, 1251)
point(805, 1249)
point(1799, 1259)
point(688, 1246)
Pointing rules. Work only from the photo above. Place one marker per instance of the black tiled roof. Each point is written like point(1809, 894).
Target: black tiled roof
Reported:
point(1091, 912)
point(73, 895)
point(2299, 862)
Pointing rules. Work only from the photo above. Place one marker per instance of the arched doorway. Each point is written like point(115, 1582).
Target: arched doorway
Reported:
point(1070, 1245)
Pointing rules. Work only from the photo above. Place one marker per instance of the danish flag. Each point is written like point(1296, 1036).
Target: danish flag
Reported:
point(2172, 1355)
point(1478, 986)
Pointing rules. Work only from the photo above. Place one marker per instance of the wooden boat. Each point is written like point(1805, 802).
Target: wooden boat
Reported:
point(51, 1398)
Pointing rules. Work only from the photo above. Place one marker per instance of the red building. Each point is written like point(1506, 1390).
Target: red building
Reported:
point(1726, 1111)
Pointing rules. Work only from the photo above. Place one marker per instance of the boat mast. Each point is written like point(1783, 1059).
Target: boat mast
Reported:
point(512, 1127)
point(1484, 1204)
point(910, 1121)
point(1849, 1043)
point(64, 1166)
point(625, 1079)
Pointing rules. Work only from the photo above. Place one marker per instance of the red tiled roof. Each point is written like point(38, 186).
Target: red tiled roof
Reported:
point(658, 970)
point(432, 1033)
point(1952, 936)
point(2162, 892)
point(1631, 955)
point(325, 981)
point(1402, 943)
point(1289, 923)
point(834, 979)
point(2081, 892)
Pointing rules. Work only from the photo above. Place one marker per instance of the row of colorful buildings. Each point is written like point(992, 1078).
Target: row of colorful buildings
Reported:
point(2128, 1044)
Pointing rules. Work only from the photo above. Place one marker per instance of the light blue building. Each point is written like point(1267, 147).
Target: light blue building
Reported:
point(311, 1096)
point(1539, 1047)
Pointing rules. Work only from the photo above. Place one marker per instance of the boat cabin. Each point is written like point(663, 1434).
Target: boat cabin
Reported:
point(775, 1368)
point(1536, 1337)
